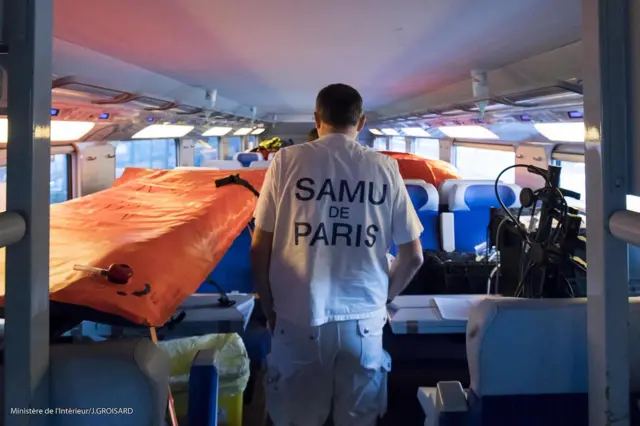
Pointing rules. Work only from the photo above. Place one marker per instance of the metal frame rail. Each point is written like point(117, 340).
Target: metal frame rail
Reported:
point(608, 35)
point(27, 35)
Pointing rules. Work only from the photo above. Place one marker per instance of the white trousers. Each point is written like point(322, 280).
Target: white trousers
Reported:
point(338, 366)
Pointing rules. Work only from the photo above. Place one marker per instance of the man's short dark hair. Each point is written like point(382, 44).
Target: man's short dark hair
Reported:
point(339, 105)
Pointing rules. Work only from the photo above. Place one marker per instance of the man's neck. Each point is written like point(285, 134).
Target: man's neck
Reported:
point(350, 133)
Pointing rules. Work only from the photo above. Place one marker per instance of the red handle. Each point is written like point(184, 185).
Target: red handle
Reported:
point(119, 273)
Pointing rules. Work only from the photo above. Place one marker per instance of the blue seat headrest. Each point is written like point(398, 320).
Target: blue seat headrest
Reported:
point(424, 196)
point(465, 197)
point(445, 187)
point(246, 158)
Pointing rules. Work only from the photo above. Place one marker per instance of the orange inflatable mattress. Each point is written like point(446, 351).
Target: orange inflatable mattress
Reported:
point(431, 171)
point(170, 227)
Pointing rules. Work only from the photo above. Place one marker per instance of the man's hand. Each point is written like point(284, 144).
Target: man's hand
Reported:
point(260, 256)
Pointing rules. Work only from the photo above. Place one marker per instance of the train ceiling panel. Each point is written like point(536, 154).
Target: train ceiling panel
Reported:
point(275, 57)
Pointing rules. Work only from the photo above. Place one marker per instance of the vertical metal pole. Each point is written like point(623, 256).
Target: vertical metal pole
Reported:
point(606, 79)
point(446, 150)
point(409, 144)
point(223, 148)
point(29, 35)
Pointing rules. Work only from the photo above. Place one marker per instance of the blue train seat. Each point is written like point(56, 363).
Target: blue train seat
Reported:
point(528, 364)
point(86, 375)
point(260, 164)
point(92, 374)
point(233, 272)
point(470, 204)
point(424, 197)
point(246, 158)
point(445, 188)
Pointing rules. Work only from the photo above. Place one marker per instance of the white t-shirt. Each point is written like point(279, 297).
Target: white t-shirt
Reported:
point(335, 208)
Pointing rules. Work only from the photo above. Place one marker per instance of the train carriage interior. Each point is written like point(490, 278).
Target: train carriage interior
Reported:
point(165, 117)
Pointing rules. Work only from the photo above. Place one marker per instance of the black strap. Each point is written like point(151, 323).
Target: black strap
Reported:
point(175, 320)
point(236, 179)
point(224, 300)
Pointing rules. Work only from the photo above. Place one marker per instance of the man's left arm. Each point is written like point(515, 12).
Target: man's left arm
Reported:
point(262, 243)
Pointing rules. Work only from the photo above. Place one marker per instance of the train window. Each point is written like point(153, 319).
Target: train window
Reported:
point(58, 181)
point(482, 163)
point(427, 148)
point(380, 144)
point(150, 154)
point(398, 144)
point(234, 145)
point(572, 178)
point(205, 151)
point(59, 178)
point(633, 203)
point(252, 141)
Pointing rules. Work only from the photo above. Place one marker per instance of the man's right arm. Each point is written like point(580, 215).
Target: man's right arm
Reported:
point(260, 258)
point(405, 232)
point(262, 242)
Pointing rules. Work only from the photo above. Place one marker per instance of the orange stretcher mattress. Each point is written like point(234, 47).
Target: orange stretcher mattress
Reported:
point(431, 171)
point(171, 227)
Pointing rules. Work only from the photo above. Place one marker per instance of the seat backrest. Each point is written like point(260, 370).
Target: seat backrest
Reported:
point(223, 164)
point(233, 272)
point(121, 374)
point(246, 158)
point(445, 187)
point(271, 155)
point(424, 197)
point(471, 203)
point(528, 361)
point(260, 164)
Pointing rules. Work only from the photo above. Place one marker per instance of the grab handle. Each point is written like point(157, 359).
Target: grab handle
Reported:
point(117, 273)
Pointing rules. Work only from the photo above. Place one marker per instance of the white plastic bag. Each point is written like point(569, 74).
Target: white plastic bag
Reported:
point(232, 361)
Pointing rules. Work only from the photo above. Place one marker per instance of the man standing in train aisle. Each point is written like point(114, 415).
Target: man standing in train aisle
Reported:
point(328, 212)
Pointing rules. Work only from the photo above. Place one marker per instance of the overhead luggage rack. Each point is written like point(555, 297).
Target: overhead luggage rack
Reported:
point(100, 95)
point(186, 110)
point(152, 104)
point(558, 93)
